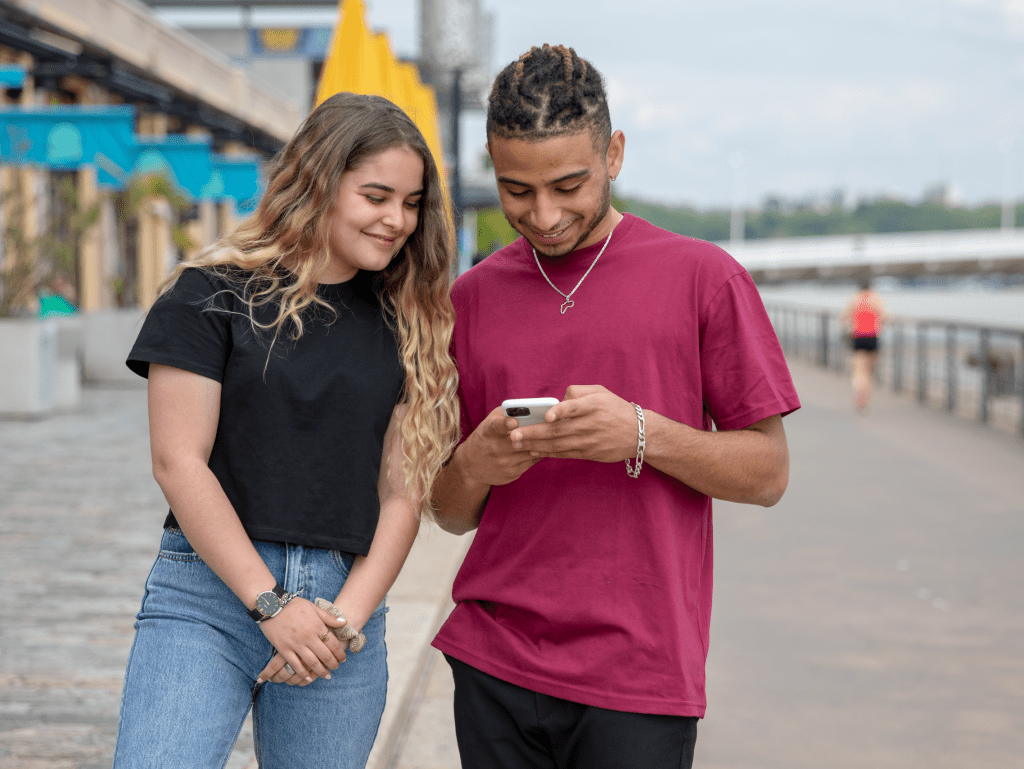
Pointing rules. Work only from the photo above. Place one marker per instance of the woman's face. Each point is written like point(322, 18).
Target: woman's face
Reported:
point(377, 209)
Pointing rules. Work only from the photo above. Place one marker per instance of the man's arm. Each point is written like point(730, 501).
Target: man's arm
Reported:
point(749, 465)
point(486, 458)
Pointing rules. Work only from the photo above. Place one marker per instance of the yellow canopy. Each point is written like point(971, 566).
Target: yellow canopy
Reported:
point(362, 62)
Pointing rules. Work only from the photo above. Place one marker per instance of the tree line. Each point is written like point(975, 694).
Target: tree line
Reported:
point(876, 216)
point(869, 217)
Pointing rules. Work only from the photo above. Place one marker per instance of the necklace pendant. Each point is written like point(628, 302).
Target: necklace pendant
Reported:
point(569, 302)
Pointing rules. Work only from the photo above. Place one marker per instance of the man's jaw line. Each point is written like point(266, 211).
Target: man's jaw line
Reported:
point(556, 248)
point(542, 240)
point(554, 233)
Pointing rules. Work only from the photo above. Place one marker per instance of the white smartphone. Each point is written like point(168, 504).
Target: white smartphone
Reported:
point(529, 411)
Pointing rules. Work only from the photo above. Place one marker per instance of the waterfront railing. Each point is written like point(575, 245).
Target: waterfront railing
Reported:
point(971, 370)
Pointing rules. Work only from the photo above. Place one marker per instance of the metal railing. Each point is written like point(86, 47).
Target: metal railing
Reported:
point(967, 369)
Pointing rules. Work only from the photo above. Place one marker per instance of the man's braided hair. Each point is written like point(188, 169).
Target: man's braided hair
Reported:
point(549, 91)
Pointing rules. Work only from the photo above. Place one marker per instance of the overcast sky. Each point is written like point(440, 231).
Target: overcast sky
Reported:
point(805, 96)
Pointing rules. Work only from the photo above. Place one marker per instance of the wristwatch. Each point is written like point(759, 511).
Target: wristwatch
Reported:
point(269, 603)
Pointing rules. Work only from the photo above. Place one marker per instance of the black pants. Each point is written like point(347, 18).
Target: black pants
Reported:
point(869, 343)
point(502, 726)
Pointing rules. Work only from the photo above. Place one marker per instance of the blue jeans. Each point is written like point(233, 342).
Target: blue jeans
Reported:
point(191, 675)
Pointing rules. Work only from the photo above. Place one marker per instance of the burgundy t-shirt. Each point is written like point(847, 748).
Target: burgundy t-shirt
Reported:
point(583, 583)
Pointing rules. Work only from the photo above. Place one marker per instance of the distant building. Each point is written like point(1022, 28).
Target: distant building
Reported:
point(946, 194)
point(117, 62)
point(284, 57)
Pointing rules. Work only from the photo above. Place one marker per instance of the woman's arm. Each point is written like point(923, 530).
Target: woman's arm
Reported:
point(879, 305)
point(184, 412)
point(373, 575)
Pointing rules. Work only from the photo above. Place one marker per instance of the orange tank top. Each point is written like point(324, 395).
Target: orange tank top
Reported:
point(865, 318)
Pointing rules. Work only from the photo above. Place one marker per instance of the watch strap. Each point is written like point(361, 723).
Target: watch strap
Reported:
point(259, 616)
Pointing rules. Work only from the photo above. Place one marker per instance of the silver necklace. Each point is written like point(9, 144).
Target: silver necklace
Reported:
point(569, 302)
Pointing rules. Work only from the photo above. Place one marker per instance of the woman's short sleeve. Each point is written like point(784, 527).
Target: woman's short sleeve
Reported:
point(189, 327)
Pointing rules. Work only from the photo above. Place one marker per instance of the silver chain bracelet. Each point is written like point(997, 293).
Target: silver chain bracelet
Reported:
point(641, 444)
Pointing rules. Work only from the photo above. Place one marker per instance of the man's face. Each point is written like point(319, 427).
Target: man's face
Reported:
point(556, 192)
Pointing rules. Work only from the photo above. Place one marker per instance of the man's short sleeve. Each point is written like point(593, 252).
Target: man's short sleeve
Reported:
point(188, 327)
point(743, 370)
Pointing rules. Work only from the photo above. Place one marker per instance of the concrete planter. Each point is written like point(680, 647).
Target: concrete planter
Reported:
point(68, 394)
point(28, 367)
point(107, 338)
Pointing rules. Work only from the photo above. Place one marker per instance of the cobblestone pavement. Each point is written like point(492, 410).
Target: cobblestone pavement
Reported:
point(80, 521)
point(874, 618)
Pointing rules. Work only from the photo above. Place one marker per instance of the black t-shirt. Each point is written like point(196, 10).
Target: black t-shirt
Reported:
point(301, 432)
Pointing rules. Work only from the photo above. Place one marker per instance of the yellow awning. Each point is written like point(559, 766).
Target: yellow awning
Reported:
point(360, 61)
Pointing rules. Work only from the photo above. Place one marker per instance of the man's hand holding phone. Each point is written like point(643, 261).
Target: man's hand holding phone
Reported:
point(487, 458)
point(488, 454)
point(590, 423)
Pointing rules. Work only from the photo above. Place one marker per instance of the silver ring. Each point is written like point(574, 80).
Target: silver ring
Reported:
point(288, 669)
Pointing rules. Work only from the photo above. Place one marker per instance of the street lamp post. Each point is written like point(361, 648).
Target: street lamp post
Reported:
point(1009, 214)
point(456, 190)
point(737, 219)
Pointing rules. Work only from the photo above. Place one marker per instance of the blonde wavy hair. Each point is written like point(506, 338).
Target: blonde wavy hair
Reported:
point(283, 248)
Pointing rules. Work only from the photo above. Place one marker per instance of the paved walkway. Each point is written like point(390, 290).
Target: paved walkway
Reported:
point(874, 618)
point(80, 519)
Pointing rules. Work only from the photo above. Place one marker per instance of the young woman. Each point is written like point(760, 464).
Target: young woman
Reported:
point(301, 404)
point(864, 315)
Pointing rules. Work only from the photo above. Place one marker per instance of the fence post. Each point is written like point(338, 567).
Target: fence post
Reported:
point(1020, 389)
point(922, 362)
point(984, 351)
point(951, 383)
point(797, 341)
point(824, 340)
point(897, 357)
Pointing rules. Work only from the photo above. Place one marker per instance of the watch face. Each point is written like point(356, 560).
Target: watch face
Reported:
point(267, 603)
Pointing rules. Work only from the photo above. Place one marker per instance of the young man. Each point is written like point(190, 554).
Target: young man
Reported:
point(583, 606)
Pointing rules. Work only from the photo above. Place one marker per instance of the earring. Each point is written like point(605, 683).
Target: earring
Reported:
point(614, 178)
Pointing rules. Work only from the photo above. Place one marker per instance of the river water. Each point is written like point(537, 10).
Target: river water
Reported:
point(968, 301)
